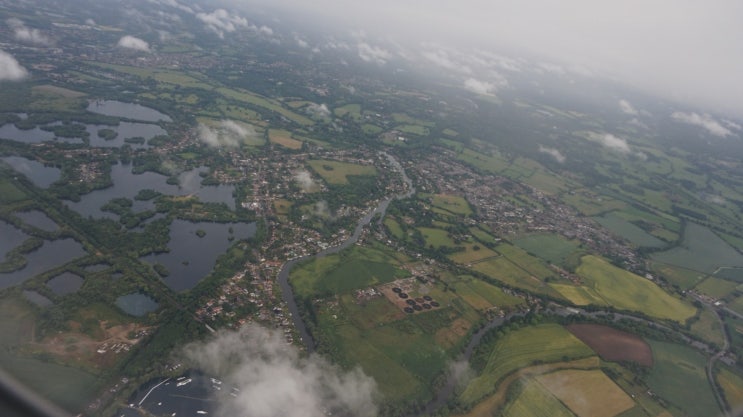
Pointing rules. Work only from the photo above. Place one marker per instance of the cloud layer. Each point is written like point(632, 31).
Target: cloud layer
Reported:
point(275, 381)
point(10, 69)
point(130, 42)
point(221, 21)
point(621, 40)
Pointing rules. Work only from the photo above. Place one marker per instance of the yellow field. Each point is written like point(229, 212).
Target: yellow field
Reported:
point(732, 385)
point(519, 349)
point(625, 291)
point(579, 296)
point(587, 393)
point(489, 405)
point(535, 401)
point(334, 172)
point(283, 138)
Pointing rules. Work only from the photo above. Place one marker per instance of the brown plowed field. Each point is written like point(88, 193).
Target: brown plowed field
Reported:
point(612, 344)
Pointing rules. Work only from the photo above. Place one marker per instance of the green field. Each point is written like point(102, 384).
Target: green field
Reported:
point(473, 252)
point(335, 172)
point(451, 203)
point(481, 295)
point(535, 401)
point(9, 193)
point(436, 238)
point(678, 375)
point(552, 248)
point(394, 228)
point(521, 348)
point(685, 279)
point(716, 287)
point(625, 291)
point(354, 268)
point(353, 110)
point(629, 231)
point(701, 250)
point(417, 130)
point(708, 327)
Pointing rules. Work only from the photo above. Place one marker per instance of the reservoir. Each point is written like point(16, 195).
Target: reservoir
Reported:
point(136, 304)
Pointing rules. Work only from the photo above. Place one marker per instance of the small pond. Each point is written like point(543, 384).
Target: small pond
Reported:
point(37, 298)
point(136, 304)
point(50, 255)
point(126, 110)
point(10, 237)
point(38, 219)
point(42, 176)
point(66, 283)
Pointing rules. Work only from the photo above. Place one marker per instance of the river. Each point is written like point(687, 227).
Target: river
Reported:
point(286, 289)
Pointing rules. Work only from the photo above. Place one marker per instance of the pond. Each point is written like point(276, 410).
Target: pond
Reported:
point(38, 219)
point(127, 185)
point(66, 283)
point(10, 237)
point(126, 110)
point(42, 176)
point(124, 130)
point(136, 304)
point(191, 257)
point(50, 255)
point(37, 298)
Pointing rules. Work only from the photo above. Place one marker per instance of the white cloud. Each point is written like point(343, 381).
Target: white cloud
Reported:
point(131, 42)
point(304, 180)
point(26, 34)
point(276, 381)
point(370, 53)
point(227, 134)
point(265, 30)
point(320, 110)
point(703, 120)
point(301, 42)
point(559, 157)
point(614, 143)
point(479, 87)
point(627, 107)
point(220, 21)
point(10, 69)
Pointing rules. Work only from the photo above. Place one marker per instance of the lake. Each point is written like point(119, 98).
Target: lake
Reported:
point(124, 130)
point(191, 257)
point(126, 110)
point(50, 255)
point(35, 135)
point(127, 185)
point(42, 176)
point(38, 219)
point(65, 283)
point(136, 304)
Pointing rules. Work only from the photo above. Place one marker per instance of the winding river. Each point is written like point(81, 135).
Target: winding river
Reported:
point(286, 289)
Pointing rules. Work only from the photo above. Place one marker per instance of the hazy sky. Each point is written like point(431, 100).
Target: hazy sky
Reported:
point(691, 51)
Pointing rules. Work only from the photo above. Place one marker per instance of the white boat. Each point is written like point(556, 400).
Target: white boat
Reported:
point(182, 383)
point(201, 412)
